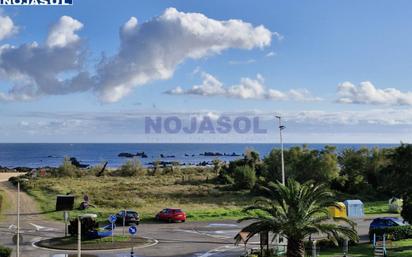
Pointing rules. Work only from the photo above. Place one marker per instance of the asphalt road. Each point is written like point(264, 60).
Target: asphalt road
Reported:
point(190, 239)
point(201, 239)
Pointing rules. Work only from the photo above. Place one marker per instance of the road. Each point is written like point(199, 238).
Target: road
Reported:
point(190, 239)
point(199, 239)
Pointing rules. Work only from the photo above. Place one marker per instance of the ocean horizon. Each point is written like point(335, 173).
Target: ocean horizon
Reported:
point(36, 155)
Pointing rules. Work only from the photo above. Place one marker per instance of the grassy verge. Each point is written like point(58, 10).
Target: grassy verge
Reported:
point(194, 193)
point(378, 207)
point(401, 248)
point(4, 203)
point(190, 189)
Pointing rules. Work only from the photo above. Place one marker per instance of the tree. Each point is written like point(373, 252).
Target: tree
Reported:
point(303, 164)
point(397, 176)
point(406, 212)
point(297, 211)
point(245, 177)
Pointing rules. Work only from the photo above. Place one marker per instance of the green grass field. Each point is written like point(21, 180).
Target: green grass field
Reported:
point(194, 192)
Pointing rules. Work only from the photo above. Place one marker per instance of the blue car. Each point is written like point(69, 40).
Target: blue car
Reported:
point(385, 222)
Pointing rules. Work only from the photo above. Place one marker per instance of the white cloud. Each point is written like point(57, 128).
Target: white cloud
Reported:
point(250, 61)
point(248, 88)
point(271, 54)
point(210, 86)
point(63, 33)
point(312, 126)
point(54, 68)
point(153, 50)
point(7, 27)
point(367, 93)
point(148, 51)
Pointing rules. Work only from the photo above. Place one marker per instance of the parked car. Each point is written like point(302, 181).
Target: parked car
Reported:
point(171, 215)
point(131, 217)
point(384, 222)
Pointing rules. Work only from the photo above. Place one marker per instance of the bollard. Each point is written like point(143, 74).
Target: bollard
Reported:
point(345, 247)
point(132, 253)
point(314, 248)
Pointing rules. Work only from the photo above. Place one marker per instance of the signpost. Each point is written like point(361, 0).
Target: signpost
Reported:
point(66, 220)
point(124, 220)
point(79, 236)
point(112, 219)
point(132, 232)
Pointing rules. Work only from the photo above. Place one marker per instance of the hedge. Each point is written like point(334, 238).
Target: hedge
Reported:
point(5, 252)
point(393, 233)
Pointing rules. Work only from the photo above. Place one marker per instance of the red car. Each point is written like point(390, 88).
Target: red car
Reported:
point(171, 215)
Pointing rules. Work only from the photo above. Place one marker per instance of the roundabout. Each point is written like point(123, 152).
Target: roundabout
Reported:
point(103, 244)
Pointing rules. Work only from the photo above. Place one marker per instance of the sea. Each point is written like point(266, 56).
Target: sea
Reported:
point(51, 155)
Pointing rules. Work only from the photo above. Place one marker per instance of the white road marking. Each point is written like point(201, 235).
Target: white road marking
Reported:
point(41, 228)
point(218, 250)
point(222, 225)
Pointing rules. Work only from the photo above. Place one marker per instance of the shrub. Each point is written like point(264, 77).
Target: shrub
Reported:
point(131, 168)
point(5, 252)
point(245, 177)
point(67, 169)
point(326, 243)
point(395, 205)
point(394, 233)
point(406, 212)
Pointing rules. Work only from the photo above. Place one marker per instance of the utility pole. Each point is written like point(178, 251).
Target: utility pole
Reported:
point(281, 127)
point(79, 237)
point(18, 216)
point(280, 238)
point(18, 220)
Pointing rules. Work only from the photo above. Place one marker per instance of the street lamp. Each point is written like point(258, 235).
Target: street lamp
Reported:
point(281, 127)
point(280, 238)
point(18, 216)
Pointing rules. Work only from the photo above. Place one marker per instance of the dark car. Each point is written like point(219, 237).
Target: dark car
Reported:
point(131, 217)
point(171, 215)
point(380, 223)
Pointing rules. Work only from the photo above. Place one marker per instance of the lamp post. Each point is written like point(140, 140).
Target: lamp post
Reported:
point(281, 127)
point(79, 236)
point(18, 217)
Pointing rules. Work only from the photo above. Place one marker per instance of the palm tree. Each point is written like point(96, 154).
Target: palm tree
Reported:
point(297, 211)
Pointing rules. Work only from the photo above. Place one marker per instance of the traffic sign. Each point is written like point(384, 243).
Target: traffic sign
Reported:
point(112, 219)
point(133, 230)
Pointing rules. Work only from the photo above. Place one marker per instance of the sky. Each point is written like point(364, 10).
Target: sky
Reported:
point(336, 71)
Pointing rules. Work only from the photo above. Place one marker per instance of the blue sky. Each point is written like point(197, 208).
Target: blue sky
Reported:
point(337, 71)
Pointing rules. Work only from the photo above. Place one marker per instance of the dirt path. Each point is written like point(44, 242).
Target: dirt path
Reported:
point(29, 210)
point(4, 176)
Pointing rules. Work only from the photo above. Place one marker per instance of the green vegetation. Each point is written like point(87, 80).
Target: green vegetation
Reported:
point(4, 203)
point(245, 177)
point(377, 207)
point(296, 211)
point(221, 191)
point(401, 248)
point(1, 200)
point(193, 189)
point(132, 168)
point(393, 233)
point(5, 251)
